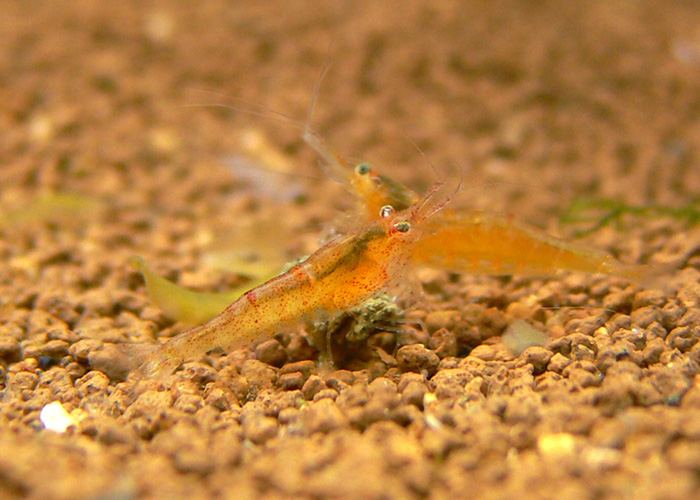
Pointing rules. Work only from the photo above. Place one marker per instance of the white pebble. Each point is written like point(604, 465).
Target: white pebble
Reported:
point(55, 418)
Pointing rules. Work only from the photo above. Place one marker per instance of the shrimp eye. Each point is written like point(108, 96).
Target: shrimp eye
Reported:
point(402, 227)
point(363, 169)
point(386, 211)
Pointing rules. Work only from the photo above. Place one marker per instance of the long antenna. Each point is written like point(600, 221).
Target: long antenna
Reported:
point(333, 163)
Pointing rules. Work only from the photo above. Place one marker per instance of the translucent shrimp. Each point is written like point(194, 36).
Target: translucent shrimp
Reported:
point(345, 272)
point(478, 243)
point(183, 304)
point(469, 241)
point(63, 208)
point(464, 241)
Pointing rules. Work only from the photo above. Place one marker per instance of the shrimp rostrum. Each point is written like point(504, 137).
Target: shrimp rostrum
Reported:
point(340, 275)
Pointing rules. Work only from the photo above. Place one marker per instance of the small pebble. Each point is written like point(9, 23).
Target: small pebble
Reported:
point(9, 349)
point(323, 416)
point(313, 385)
point(271, 352)
point(325, 394)
point(260, 430)
point(305, 367)
point(445, 343)
point(538, 357)
point(556, 446)
point(684, 338)
point(112, 361)
point(258, 374)
point(291, 381)
point(557, 363)
point(55, 418)
point(414, 393)
point(416, 358)
point(356, 395)
point(436, 320)
point(690, 318)
point(609, 355)
point(340, 379)
point(645, 316)
point(82, 348)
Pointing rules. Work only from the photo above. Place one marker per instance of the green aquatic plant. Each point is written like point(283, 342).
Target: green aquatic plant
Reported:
point(601, 213)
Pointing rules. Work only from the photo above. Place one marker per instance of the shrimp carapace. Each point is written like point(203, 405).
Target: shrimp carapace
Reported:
point(343, 273)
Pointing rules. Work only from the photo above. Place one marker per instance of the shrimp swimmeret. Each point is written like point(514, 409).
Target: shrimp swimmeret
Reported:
point(342, 274)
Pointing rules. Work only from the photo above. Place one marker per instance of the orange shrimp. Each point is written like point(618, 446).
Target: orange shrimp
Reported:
point(461, 241)
point(345, 272)
point(470, 241)
point(474, 242)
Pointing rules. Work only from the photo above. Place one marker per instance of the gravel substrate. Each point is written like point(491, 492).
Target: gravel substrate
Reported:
point(535, 104)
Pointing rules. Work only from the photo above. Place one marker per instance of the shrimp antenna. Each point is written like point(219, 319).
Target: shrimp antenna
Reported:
point(449, 197)
point(333, 163)
point(440, 194)
point(245, 106)
point(261, 111)
point(317, 89)
point(426, 158)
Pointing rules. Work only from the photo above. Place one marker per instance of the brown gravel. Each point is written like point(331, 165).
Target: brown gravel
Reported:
point(533, 103)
